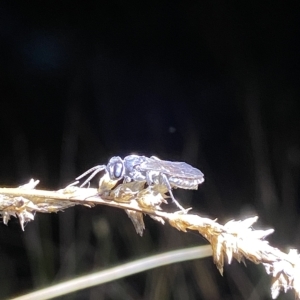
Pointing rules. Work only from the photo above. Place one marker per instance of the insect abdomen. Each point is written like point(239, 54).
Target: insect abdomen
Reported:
point(185, 183)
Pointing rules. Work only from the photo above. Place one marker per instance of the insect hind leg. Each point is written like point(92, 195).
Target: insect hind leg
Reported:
point(164, 180)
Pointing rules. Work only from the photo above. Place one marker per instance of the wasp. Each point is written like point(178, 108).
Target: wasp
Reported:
point(152, 171)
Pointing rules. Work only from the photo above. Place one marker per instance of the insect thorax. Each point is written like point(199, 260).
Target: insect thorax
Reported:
point(132, 171)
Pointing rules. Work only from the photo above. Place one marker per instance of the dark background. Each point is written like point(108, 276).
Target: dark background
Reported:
point(210, 83)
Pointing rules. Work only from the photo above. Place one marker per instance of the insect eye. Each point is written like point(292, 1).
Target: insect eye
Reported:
point(118, 170)
point(115, 168)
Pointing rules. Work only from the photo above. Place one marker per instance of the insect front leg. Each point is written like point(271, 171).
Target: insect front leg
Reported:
point(95, 171)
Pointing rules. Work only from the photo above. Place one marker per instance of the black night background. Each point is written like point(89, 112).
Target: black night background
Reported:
point(211, 83)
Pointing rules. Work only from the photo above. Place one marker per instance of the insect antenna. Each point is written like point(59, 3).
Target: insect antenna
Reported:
point(96, 170)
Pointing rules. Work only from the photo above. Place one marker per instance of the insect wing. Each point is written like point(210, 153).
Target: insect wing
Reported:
point(179, 169)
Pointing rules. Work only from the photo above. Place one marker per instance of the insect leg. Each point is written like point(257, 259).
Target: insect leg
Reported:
point(152, 177)
point(96, 170)
point(165, 181)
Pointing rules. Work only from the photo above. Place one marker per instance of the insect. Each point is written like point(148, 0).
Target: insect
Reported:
point(151, 170)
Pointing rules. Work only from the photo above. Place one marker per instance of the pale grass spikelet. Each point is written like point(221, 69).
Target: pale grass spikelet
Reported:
point(286, 274)
point(296, 283)
point(19, 206)
point(149, 198)
point(152, 197)
point(30, 185)
point(23, 202)
point(137, 220)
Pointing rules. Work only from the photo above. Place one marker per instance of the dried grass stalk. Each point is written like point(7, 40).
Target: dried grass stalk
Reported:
point(235, 239)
